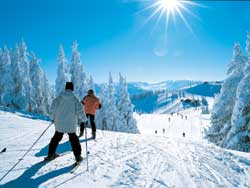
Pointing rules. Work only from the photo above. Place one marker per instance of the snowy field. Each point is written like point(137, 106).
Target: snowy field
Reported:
point(123, 160)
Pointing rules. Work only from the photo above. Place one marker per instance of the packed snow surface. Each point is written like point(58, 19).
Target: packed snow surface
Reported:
point(123, 160)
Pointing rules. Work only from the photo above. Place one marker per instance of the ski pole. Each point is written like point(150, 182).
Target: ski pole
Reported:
point(19, 160)
point(86, 143)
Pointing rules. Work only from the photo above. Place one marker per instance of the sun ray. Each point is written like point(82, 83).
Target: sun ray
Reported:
point(156, 11)
point(184, 20)
point(171, 9)
point(188, 11)
point(158, 21)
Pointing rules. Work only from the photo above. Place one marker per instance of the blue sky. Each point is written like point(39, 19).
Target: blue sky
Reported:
point(113, 38)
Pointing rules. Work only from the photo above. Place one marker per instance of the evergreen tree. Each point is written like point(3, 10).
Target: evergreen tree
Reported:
point(204, 103)
point(102, 116)
point(25, 73)
point(19, 96)
point(248, 44)
point(7, 78)
point(238, 136)
point(23, 84)
point(108, 116)
point(125, 108)
point(61, 78)
point(83, 83)
point(113, 120)
point(47, 93)
point(78, 76)
point(36, 77)
point(224, 103)
point(1, 80)
point(91, 84)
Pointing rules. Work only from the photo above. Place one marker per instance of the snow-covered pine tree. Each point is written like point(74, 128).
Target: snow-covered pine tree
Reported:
point(113, 114)
point(204, 106)
point(204, 101)
point(83, 83)
point(225, 101)
point(47, 93)
point(1, 80)
point(25, 73)
point(91, 84)
point(36, 77)
point(248, 44)
point(238, 136)
point(78, 76)
point(125, 108)
point(19, 96)
point(102, 115)
point(22, 81)
point(7, 78)
point(61, 78)
point(108, 116)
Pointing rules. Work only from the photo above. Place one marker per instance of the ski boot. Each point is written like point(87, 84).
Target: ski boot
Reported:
point(81, 134)
point(79, 159)
point(94, 135)
point(51, 157)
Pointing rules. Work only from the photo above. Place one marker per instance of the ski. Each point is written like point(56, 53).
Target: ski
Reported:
point(3, 150)
point(75, 166)
point(94, 139)
point(59, 155)
point(86, 139)
point(49, 160)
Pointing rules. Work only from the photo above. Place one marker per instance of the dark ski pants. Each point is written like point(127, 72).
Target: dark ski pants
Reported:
point(74, 141)
point(92, 123)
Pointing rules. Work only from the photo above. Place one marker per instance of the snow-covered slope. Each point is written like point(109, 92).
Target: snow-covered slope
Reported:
point(170, 107)
point(137, 88)
point(171, 85)
point(123, 160)
point(153, 100)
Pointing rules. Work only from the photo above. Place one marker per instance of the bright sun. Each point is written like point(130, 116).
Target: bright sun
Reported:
point(170, 9)
point(168, 5)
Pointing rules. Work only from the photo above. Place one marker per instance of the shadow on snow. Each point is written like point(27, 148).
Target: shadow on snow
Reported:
point(62, 148)
point(26, 180)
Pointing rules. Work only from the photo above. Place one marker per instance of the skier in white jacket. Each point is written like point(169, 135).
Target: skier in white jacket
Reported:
point(66, 113)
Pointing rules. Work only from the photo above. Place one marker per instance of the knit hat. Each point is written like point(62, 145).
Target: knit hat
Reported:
point(90, 91)
point(69, 85)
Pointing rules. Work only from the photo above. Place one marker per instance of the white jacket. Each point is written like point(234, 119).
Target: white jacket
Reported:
point(67, 112)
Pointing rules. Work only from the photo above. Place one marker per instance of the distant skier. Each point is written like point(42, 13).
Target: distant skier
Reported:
point(163, 130)
point(184, 134)
point(186, 117)
point(169, 119)
point(172, 114)
point(155, 131)
point(91, 104)
point(66, 113)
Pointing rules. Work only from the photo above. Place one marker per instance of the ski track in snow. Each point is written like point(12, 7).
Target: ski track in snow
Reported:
point(124, 160)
